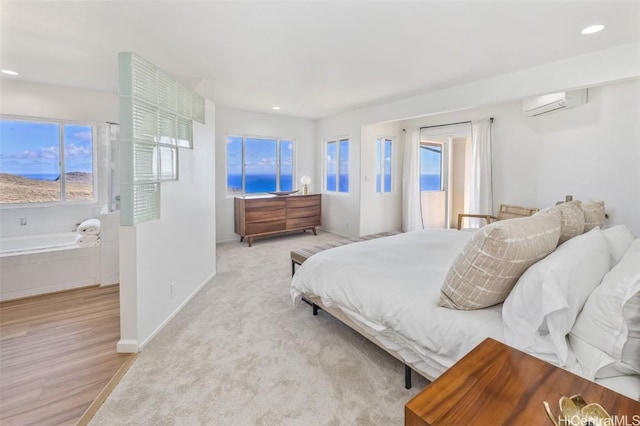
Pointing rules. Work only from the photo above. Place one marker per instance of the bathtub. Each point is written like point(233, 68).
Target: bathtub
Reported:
point(37, 243)
point(39, 264)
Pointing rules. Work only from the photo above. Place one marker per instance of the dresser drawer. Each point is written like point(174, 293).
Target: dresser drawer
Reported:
point(264, 204)
point(262, 215)
point(297, 202)
point(303, 222)
point(293, 213)
point(262, 227)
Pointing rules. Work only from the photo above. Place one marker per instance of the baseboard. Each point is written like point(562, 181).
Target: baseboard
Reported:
point(127, 346)
point(115, 279)
point(237, 239)
point(334, 232)
point(174, 313)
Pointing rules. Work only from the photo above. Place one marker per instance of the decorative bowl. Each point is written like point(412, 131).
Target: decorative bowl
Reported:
point(575, 411)
point(282, 192)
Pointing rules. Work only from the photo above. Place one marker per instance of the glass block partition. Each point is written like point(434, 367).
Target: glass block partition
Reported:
point(156, 118)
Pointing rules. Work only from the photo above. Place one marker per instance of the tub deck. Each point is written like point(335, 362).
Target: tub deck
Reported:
point(40, 264)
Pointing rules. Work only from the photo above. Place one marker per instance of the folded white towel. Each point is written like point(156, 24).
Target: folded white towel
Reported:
point(89, 227)
point(88, 240)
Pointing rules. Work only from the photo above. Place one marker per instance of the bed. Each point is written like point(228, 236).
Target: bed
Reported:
point(388, 290)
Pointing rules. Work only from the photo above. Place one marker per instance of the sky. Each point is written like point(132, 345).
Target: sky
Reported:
point(260, 156)
point(28, 147)
point(430, 162)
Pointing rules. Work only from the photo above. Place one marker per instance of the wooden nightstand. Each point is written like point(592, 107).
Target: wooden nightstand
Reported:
point(496, 384)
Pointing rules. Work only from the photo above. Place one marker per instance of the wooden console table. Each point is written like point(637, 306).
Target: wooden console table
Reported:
point(274, 214)
point(495, 384)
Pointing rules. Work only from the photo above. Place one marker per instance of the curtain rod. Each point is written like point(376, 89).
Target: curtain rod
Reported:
point(450, 124)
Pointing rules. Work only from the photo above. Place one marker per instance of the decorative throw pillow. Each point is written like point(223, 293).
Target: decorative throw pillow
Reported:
point(610, 320)
point(544, 305)
point(572, 220)
point(594, 215)
point(491, 262)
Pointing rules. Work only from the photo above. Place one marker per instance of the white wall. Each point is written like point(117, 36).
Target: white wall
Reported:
point(41, 100)
point(229, 122)
point(593, 153)
point(178, 248)
point(515, 152)
point(380, 212)
point(515, 179)
point(44, 101)
point(341, 211)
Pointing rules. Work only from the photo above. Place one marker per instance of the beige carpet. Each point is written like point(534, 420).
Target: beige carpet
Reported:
point(241, 354)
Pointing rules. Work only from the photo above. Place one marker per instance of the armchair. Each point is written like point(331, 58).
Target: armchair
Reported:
point(505, 211)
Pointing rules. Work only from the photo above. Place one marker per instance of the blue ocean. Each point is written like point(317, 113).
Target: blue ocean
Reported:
point(259, 183)
point(430, 183)
point(39, 176)
point(265, 183)
point(343, 186)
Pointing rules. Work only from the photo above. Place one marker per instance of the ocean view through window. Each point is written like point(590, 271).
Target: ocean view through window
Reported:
point(45, 161)
point(258, 165)
point(430, 166)
point(383, 165)
point(337, 165)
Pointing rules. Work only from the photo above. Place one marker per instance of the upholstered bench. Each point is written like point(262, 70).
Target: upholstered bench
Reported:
point(299, 256)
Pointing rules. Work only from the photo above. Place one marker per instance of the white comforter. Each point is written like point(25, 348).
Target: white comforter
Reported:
point(392, 285)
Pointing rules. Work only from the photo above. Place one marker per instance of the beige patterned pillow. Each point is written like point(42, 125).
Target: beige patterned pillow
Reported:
point(594, 215)
point(572, 219)
point(497, 255)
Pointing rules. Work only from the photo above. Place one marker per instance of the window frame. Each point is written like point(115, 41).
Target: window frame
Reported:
point(442, 152)
point(279, 140)
point(381, 162)
point(325, 171)
point(61, 163)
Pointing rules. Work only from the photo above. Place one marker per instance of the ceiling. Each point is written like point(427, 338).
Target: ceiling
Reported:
point(313, 59)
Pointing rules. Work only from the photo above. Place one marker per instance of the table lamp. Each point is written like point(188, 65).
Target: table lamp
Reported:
point(305, 181)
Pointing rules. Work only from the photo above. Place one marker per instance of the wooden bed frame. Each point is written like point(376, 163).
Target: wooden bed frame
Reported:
point(316, 304)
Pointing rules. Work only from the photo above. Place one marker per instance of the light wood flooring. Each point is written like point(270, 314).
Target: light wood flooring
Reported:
point(57, 354)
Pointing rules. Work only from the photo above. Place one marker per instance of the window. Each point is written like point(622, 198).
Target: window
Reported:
point(337, 166)
point(430, 166)
point(383, 165)
point(45, 161)
point(257, 165)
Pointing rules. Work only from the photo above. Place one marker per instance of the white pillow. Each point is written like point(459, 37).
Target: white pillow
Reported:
point(544, 304)
point(610, 320)
point(595, 363)
point(619, 238)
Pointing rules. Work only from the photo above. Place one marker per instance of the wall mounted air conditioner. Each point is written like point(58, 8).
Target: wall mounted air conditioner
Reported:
point(545, 104)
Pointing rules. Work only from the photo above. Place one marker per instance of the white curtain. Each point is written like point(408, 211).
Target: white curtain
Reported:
point(411, 204)
point(481, 191)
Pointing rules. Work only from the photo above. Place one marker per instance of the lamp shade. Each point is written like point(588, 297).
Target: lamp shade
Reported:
point(305, 180)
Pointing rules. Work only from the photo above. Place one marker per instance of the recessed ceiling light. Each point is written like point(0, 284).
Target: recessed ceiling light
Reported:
point(593, 29)
point(10, 72)
point(275, 107)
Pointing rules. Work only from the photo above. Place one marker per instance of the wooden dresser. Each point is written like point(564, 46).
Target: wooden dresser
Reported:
point(273, 214)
